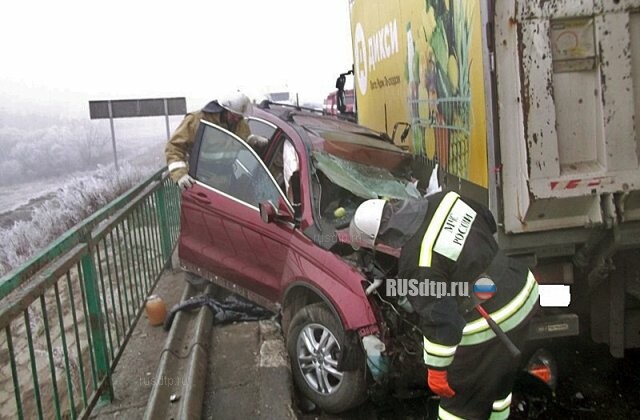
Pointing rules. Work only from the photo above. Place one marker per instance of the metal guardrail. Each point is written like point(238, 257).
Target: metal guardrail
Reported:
point(67, 314)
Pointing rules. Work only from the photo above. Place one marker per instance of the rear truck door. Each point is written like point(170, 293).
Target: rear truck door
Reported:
point(568, 88)
point(222, 231)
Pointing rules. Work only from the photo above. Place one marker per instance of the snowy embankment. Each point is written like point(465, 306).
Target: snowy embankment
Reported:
point(60, 208)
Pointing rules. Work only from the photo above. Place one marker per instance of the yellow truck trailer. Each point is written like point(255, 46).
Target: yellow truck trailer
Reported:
point(531, 106)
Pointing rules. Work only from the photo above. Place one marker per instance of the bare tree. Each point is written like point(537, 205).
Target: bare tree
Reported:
point(92, 141)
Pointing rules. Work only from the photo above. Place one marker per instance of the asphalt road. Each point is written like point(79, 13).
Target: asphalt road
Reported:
point(591, 385)
point(248, 376)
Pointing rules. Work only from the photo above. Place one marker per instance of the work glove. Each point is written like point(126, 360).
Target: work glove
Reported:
point(186, 182)
point(437, 380)
point(257, 142)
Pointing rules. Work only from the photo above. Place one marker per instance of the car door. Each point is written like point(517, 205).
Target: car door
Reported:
point(222, 231)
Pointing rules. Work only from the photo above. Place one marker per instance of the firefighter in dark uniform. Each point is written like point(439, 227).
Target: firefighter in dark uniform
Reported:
point(446, 238)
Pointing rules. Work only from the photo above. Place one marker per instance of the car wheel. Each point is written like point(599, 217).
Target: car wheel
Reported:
point(315, 341)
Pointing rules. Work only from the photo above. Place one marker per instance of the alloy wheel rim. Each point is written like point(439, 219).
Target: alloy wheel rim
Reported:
point(317, 350)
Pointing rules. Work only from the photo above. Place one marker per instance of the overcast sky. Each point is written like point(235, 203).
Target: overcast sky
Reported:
point(57, 55)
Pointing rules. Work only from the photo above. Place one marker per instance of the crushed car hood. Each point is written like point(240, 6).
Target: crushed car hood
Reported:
point(344, 238)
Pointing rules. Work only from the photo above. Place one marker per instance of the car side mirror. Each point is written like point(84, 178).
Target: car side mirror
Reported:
point(267, 211)
point(270, 213)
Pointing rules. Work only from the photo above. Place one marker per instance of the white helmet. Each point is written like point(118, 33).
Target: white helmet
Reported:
point(236, 102)
point(365, 224)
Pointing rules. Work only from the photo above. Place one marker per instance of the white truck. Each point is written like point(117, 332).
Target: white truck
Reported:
point(533, 107)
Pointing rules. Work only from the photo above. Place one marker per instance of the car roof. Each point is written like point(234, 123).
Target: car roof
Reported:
point(320, 127)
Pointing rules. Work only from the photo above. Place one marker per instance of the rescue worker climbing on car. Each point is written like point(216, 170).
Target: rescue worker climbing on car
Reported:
point(227, 113)
point(447, 238)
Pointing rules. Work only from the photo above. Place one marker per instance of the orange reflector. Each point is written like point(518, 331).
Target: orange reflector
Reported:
point(541, 371)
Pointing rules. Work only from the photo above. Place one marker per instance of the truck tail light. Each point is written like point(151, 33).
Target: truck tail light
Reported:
point(542, 372)
point(543, 366)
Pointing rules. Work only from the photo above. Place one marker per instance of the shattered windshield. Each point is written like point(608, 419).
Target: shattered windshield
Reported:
point(345, 184)
point(363, 180)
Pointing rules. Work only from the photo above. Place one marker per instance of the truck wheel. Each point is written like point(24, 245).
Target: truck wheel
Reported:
point(314, 342)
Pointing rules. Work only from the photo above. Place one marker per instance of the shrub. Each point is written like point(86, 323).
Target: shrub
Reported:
point(74, 201)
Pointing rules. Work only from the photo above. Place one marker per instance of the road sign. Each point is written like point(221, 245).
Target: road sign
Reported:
point(128, 108)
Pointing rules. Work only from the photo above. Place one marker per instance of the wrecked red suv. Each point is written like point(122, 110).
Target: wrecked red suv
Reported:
point(291, 253)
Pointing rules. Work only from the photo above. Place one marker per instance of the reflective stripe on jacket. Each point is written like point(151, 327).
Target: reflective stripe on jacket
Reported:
point(456, 243)
point(508, 317)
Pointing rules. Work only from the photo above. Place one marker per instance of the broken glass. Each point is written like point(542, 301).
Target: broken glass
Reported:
point(362, 180)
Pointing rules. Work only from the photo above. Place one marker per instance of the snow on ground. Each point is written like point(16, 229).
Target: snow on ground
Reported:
point(14, 196)
point(17, 201)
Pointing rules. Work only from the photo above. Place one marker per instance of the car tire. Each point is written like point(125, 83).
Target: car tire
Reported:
point(314, 342)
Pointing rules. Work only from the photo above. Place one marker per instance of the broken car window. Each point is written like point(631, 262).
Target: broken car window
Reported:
point(345, 184)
